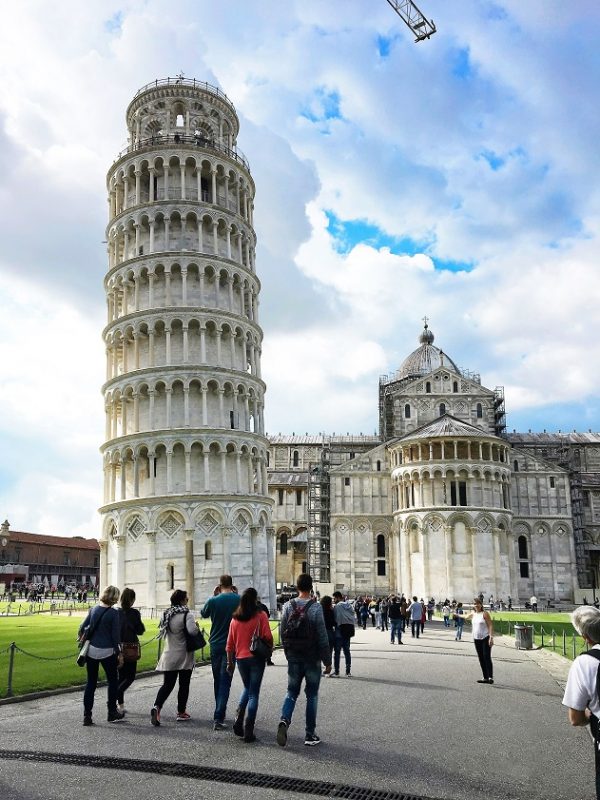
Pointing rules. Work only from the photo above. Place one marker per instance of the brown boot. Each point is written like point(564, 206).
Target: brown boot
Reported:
point(249, 732)
point(238, 725)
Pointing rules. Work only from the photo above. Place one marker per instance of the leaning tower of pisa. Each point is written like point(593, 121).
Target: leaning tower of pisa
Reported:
point(185, 487)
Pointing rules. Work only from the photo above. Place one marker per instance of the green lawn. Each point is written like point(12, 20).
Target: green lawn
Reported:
point(552, 630)
point(50, 649)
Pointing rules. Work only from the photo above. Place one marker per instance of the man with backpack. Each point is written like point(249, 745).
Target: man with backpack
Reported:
point(582, 696)
point(306, 645)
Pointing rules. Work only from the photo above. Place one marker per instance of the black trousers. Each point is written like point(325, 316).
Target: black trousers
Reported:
point(484, 651)
point(169, 681)
point(126, 678)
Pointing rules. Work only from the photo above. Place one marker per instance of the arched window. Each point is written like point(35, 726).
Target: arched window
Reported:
point(455, 386)
point(295, 458)
point(378, 466)
point(283, 544)
point(381, 566)
point(479, 411)
point(515, 465)
point(428, 388)
point(522, 542)
point(207, 551)
point(407, 411)
point(442, 409)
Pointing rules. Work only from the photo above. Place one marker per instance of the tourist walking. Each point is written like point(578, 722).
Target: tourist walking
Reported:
point(344, 631)
point(175, 661)
point(305, 646)
point(131, 627)
point(446, 615)
point(483, 639)
point(415, 611)
point(383, 606)
point(248, 619)
point(459, 621)
point(328, 616)
point(396, 620)
point(581, 694)
point(220, 608)
point(102, 628)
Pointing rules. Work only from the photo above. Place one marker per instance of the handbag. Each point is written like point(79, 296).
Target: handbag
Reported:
point(193, 641)
point(259, 647)
point(85, 639)
point(131, 651)
point(82, 657)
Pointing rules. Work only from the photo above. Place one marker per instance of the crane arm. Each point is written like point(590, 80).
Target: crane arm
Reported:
point(412, 16)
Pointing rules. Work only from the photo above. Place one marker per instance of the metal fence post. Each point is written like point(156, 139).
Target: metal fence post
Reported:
point(574, 635)
point(542, 634)
point(564, 645)
point(11, 662)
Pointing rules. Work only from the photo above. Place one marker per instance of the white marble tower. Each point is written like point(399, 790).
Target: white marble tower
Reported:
point(185, 484)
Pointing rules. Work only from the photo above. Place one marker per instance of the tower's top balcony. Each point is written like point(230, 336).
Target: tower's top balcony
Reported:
point(184, 107)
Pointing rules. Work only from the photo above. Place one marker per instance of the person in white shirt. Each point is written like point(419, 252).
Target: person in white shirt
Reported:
point(483, 639)
point(581, 692)
point(534, 604)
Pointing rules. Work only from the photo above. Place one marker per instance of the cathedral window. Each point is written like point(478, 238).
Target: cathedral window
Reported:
point(378, 466)
point(442, 409)
point(407, 411)
point(552, 483)
point(207, 551)
point(381, 546)
point(283, 544)
point(295, 458)
point(515, 465)
point(346, 481)
point(171, 577)
point(298, 497)
point(524, 569)
point(522, 543)
point(428, 387)
point(455, 386)
point(279, 497)
point(268, 458)
point(458, 493)
point(479, 411)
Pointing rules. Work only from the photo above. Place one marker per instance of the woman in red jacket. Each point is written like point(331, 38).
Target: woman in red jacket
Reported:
point(247, 620)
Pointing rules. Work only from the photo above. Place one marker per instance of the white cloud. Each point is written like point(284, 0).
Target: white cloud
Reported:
point(481, 144)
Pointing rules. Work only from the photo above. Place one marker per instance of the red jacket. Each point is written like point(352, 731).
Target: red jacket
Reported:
point(240, 634)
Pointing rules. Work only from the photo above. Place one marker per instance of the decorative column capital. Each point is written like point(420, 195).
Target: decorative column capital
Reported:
point(150, 536)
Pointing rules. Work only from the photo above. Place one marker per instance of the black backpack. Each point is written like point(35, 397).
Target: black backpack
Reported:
point(299, 635)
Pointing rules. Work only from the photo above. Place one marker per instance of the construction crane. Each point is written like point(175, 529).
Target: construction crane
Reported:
point(412, 16)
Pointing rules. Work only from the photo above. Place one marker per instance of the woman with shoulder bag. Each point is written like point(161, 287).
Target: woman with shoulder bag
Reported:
point(247, 620)
point(102, 628)
point(131, 627)
point(175, 661)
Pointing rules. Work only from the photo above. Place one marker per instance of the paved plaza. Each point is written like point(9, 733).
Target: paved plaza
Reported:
point(411, 721)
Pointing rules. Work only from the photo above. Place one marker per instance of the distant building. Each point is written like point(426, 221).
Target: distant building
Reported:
point(34, 557)
point(443, 502)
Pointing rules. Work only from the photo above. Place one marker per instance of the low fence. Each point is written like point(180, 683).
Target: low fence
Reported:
point(567, 642)
point(27, 607)
point(75, 676)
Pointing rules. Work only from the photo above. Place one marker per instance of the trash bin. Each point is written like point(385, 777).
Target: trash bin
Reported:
point(524, 637)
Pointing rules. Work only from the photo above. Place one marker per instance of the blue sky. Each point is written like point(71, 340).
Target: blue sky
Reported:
point(456, 178)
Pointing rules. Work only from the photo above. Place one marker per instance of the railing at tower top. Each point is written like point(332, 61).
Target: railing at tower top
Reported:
point(184, 138)
point(190, 83)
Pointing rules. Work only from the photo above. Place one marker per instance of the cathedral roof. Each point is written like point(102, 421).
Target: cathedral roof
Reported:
point(425, 358)
point(447, 425)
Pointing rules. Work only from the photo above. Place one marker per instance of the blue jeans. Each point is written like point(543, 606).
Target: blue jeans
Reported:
point(310, 671)
point(222, 683)
point(112, 677)
point(395, 630)
point(341, 643)
point(251, 672)
point(460, 624)
point(446, 622)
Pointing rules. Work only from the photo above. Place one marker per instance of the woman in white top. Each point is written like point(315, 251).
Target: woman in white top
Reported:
point(581, 695)
point(483, 639)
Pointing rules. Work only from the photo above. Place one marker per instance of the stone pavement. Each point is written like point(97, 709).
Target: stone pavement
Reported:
point(412, 720)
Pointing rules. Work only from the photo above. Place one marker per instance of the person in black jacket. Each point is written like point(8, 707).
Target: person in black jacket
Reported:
point(131, 627)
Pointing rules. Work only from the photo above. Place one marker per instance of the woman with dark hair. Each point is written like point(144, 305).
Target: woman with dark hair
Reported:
point(102, 628)
point(175, 661)
point(247, 620)
point(131, 627)
point(327, 606)
point(483, 639)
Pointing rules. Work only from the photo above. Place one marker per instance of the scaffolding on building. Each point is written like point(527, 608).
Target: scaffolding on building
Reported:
point(318, 548)
point(570, 459)
point(499, 411)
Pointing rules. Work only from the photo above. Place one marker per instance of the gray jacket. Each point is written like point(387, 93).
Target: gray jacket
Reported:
point(317, 621)
point(174, 655)
point(344, 613)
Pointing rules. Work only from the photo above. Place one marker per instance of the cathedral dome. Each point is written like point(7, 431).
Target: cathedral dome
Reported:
point(425, 358)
